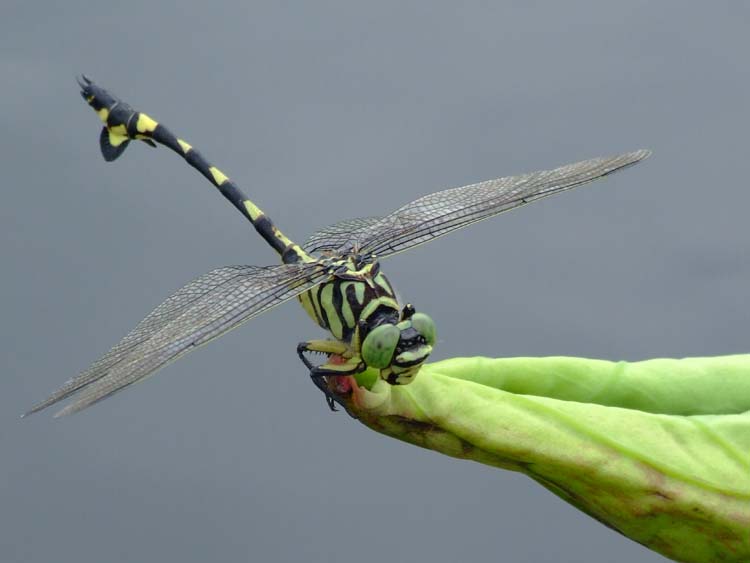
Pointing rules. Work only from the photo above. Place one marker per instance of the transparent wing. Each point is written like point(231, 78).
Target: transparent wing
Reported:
point(202, 310)
point(337, 236)
point(437, 214)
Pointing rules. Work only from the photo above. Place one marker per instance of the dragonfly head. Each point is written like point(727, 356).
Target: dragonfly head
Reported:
point(399, 350)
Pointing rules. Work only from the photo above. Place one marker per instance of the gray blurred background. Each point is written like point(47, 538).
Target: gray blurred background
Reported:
point(323, 111)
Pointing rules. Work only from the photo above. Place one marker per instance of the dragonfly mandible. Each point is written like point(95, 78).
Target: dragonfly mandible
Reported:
point(335, 274)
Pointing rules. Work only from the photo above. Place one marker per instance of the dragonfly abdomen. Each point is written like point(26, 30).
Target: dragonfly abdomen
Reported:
point(123, 124)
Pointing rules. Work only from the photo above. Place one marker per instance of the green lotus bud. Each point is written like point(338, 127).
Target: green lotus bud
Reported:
point(658, 450)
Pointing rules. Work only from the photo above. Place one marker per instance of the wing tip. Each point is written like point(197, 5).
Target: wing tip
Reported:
point(70, 387)
point(69, 409)
point(58, 414)
point(626, 160)
point(641, 154)
point(35, 409)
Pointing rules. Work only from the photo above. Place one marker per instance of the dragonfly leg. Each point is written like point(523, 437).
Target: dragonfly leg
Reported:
point(347, 365)
point(327, 347)
point(322, 384)
point(318, 373)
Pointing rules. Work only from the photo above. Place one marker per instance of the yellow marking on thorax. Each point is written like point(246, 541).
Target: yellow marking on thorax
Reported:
point(346, 309)
point(219, 177)
point(103, 114)
point(145, 124)
point(375, 303)
point(334, 322)
point(316, 305)
point(365, 274)
point(306, 302)
point(186, 147)
point(381, 281)
point(359, 293)
point(366, 271)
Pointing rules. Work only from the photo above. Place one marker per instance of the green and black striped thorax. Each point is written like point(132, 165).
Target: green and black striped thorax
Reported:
point(358, 299)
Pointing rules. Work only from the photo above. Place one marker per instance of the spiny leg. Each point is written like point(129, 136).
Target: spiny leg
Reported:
point(350, 366)
point(319, 373)
point(328, 347)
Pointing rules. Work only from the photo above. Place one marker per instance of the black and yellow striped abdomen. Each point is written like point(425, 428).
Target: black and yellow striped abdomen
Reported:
point(123, 124)
point(356, 295)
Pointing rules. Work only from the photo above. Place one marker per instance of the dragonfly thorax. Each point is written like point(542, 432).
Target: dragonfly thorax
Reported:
point(357, 298)
point(358, 306)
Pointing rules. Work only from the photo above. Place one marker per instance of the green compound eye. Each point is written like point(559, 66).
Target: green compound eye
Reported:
point(424, 326)
point(379, 345)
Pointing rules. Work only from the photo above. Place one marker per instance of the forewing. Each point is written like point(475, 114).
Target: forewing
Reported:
point(202, 310)
point(437, 214)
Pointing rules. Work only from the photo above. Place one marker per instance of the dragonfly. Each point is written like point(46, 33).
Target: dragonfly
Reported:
point(335, 274)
